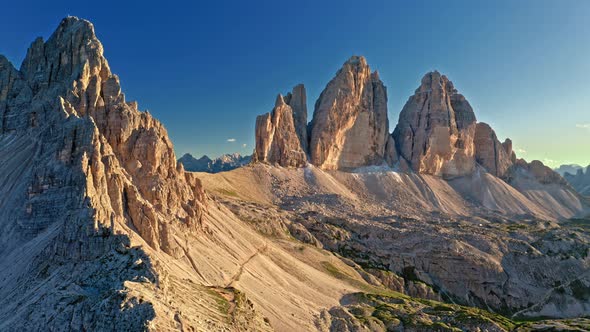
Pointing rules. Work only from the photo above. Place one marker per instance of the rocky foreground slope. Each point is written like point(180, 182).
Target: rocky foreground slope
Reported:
point(102, 229)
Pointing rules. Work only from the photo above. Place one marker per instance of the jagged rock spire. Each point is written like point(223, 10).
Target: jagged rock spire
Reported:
point(281, 136)
point(495, 157)
point(350, 126)
point(119, 159)
point(436, 127)
point(297, 99)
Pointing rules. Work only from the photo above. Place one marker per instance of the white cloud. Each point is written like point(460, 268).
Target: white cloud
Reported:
point(583, 125)
point(519, 150)
point(244, 145)
point(231, 140)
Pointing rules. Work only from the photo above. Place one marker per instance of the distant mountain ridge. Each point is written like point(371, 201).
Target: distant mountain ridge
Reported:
point(580, 180)
point(225, 162)
point(568, 168)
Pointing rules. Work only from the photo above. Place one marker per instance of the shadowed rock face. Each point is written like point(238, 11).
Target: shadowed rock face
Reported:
point(297, 99)
point(436, 129)
point(350, 126)
point(495, 157)
point(279, 133)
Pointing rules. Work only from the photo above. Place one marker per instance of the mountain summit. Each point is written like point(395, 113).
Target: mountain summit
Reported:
point(436, 129)
point(349, 128)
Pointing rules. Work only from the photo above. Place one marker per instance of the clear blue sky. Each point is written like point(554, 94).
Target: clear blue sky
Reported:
point(206, 69)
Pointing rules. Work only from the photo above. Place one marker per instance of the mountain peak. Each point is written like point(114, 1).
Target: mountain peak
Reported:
point(436, 128)
point(75, 23)
point(434, 80)
point(355, 65)
point(353, 104)
point(357, 60)
point(71, 51)
point(279, 133)
point(279, 101)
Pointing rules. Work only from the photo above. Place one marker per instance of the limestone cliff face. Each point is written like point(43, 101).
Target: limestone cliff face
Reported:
point(495, 157)
point(436, 128)
point(85, 176)
point(82, 133)
point(281, 135)
point(297, 99)
point(350, 126)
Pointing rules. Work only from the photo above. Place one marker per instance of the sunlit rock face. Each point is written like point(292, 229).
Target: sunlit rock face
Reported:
point(83, 134)
point(281, 135)
point(495, 157)
point(436, 128)
point(84, 175)
point(350, 126)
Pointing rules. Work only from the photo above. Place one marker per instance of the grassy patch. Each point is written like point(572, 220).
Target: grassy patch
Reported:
point(227, 192)
point(334, 271)
point(221, 302)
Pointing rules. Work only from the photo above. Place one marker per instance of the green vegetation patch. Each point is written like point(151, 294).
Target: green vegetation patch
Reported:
point(227, 192)
point(334, 271)
point(396, 309)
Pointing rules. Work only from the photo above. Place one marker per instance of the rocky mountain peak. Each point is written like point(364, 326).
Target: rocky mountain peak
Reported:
point(350, 126)
point(280, 101)
point(495, 157)
point(435, 81)
point(357, 61)
point(71, 51)
point(435, 131)
point(297, 99)
point(375, 76)
point(281, 135)
point(66, 97)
